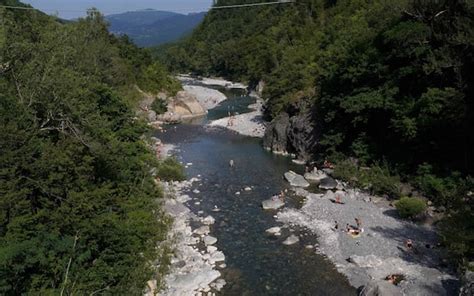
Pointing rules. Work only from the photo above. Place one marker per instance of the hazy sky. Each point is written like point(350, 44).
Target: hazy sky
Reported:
point(69, 9)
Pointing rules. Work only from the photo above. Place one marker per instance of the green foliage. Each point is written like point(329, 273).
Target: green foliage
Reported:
point(156, 77)
point(457, 232)
point(376, 178)
point(159, 106)
point(78, 210)
point(410, 207)
point(171, 170)
point(443, 191)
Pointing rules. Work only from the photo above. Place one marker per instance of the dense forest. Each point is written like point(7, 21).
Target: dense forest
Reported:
point(78, 201)
point(386, 84)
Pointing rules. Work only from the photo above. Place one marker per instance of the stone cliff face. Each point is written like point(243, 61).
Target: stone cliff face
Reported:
point(293, 134)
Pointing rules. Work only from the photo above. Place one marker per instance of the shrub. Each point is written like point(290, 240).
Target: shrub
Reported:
point(377, 178)
point(171, 170)
point(409, 207)
point(159, 106)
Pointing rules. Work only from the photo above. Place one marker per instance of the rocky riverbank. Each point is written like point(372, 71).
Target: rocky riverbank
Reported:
point(247, 124)
point(211, 81)
point(368, 258)
point(195, 262)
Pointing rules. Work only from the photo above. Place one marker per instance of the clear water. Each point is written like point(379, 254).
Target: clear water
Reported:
point(257, 264)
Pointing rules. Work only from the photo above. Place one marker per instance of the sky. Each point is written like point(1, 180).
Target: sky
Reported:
point(70, 9)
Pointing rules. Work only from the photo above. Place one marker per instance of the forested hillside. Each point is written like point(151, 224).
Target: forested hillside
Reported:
point(387, 83)
point(78, 204)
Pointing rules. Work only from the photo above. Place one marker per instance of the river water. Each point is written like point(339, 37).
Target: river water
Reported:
point(257, 264)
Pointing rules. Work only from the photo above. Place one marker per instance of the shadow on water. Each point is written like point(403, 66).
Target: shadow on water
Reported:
point(256, 263)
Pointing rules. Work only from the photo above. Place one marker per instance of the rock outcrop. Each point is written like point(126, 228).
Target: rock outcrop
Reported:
point(292, 133)
point(183, 106)
point(276, 136)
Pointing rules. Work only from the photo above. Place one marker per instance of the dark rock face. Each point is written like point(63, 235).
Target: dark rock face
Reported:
point(301, 135)
point(292, 133)
point(276, 135)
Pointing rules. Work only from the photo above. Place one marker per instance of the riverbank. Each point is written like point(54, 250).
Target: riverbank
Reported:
point(247, 124)
point(211, 81)
point(379, 251)
point(195, 262)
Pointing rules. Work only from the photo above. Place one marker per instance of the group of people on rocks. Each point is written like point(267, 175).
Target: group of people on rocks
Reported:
point(351, 229)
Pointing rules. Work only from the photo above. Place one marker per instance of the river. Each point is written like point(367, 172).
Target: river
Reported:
point(256, 263)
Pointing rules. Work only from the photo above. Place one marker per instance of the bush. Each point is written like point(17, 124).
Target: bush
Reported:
point(409, 207)
point(159, 106)
point(171, 170)
point(378, 178)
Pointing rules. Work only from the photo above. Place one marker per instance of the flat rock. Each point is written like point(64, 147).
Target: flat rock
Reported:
point(272, 204)
point(327, 183)
point(296, 180)
point(273, 230)
point(209, 240)
point(291, 240)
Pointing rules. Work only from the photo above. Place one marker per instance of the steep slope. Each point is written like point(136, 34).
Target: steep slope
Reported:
point(78, 210)
point(151, 27)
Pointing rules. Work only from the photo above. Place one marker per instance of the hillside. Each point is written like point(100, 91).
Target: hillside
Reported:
point(385, 84)
point(151, 27)
point(78, 210)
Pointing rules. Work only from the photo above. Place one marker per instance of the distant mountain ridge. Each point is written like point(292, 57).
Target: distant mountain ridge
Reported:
point(154, 27)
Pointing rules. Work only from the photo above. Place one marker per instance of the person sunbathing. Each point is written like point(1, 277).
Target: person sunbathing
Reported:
point(337, 200)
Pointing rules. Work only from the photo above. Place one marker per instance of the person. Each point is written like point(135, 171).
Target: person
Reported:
point(231, 163)
point(282, 195)
point(336, 225)
point(391, 279)
point(338, 199)
point(409, 244)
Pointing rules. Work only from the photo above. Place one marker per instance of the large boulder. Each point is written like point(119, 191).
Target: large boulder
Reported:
point(275, 138)
point(296, 180)
point(185, 104)
point(301, 134)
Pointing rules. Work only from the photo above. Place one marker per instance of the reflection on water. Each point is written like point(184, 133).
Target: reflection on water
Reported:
point(256, 263)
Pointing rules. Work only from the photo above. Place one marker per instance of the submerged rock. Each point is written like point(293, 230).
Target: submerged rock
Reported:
point(296, 180)
point(272, 204)
point(291, 240)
